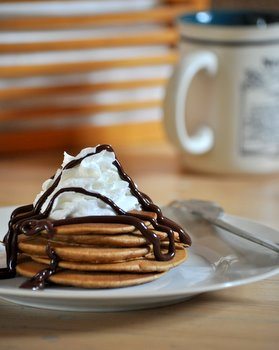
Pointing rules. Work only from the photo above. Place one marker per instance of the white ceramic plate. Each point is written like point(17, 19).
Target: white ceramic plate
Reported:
point(217, 260)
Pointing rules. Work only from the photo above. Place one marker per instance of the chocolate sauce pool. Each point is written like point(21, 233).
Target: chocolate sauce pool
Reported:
point(30, 220)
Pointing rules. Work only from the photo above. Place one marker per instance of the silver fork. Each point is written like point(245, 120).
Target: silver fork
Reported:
point(213, 213)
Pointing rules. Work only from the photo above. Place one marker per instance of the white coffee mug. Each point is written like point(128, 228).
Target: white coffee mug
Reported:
point(222, 102)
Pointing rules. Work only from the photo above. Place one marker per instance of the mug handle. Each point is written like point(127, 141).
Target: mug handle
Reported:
point(174, 103)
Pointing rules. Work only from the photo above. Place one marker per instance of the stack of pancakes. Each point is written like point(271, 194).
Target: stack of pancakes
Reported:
point(95, 255)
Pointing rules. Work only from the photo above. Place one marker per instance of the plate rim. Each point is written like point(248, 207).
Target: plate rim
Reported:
point(96, 294)
point(69, 294)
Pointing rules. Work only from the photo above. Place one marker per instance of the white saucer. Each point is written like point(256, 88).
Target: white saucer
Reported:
point(217, 260)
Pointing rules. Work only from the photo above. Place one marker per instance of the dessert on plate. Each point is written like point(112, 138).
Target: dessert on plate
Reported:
point(91, 227)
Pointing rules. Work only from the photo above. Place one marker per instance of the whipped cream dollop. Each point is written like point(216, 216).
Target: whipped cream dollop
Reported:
point(95, 173)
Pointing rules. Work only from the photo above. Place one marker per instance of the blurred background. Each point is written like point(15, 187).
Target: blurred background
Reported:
point(79, 73)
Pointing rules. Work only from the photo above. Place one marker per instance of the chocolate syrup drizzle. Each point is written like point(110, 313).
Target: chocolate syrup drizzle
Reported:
point(30, 220)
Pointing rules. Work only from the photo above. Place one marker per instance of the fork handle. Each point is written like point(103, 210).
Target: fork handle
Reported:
point(244, 234)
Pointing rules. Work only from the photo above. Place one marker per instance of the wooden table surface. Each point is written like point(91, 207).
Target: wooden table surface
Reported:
point(245, 317)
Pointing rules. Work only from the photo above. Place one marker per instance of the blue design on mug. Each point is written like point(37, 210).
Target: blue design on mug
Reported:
point(231, 18)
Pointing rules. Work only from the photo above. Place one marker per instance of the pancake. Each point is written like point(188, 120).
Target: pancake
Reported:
point(82, 253)
point(102, 228)
point(120, 240)
point(133, 239)
point(87, 279)
point(142, 265)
